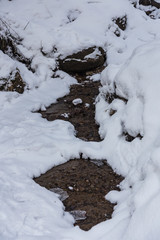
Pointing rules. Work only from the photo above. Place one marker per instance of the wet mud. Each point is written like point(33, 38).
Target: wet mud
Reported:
point(81, 184)
point(78, 107)
point(86, 183)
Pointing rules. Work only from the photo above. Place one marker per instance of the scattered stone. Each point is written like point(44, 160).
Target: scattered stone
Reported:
point(13, 83)
point(77, 101)
point(150, 2)
point(78, 214)
point(63, 195)
point(84, 60)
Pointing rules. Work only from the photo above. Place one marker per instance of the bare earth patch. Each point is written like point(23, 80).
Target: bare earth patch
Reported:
point(86, 183)
point(81, 184)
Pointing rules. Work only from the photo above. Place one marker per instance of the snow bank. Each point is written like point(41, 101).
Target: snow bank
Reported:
point(137, 81)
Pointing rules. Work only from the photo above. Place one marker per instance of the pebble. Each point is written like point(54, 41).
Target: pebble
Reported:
point(77, 101)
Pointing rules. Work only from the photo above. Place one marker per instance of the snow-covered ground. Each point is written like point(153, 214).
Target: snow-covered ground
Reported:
point(30, 145)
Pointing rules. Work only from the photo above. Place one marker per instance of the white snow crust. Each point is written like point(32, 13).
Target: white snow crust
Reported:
point(30, 145)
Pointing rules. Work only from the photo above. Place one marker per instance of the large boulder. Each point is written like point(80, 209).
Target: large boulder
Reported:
point(83, 61)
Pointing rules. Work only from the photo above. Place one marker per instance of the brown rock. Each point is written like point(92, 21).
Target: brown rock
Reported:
point(83, 61)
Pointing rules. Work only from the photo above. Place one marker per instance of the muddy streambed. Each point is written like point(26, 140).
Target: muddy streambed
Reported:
point(78, 108)
point(85, 182)
point(81, 183)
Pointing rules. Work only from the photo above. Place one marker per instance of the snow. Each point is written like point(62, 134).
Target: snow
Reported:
point(30, 145)
point(94, 54)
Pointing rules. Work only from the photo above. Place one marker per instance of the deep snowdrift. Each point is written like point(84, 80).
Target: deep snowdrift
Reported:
point(30, 145)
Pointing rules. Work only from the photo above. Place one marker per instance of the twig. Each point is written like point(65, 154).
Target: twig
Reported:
point(26, 25)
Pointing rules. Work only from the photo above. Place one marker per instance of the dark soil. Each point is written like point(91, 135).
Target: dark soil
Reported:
point(82, 115)
point(85, 181)
point(86, 184)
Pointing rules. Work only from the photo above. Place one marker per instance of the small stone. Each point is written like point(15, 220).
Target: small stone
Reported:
point(63, 195)
point(121, 22)
point(78, 214)
point(65, 115)
point(87, 105)
point(112, 112)
point(77, 101)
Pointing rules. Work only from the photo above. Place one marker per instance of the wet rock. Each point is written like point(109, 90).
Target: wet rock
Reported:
point(9, 45)
point(83, 61)
point(63, 195)
point(13, 83)
point(150, 2)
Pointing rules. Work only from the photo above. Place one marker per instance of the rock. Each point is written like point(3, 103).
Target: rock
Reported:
point(78, 214)
point(83, 61)
point(150, 2)
point(121, 22)
point(13, 83)
point(145, 2)
point(63, 195)
point(77, 101)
